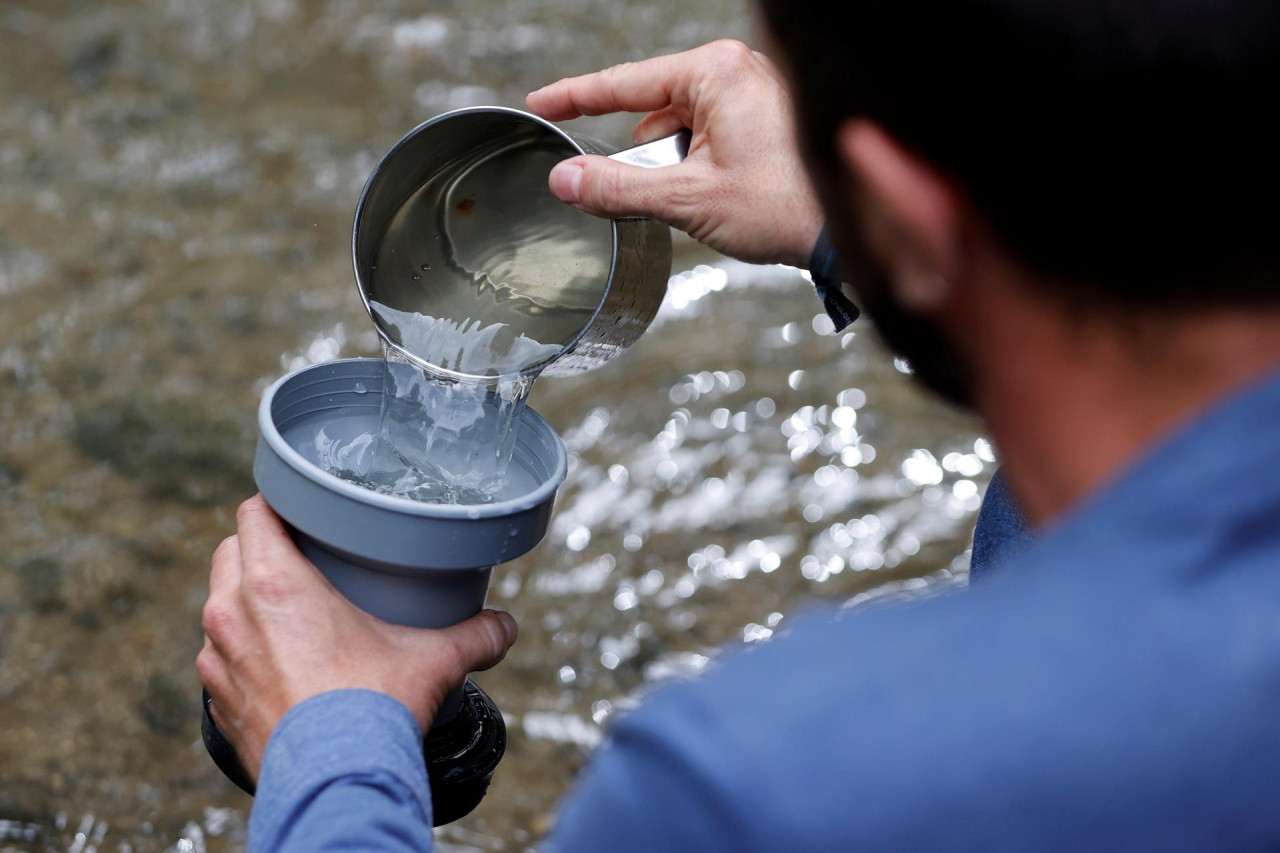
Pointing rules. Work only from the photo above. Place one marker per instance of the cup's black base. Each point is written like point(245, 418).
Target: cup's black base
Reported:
point(221, 750)
point(461, 754)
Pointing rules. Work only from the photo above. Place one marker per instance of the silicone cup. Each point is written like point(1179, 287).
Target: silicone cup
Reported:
point(409, 563)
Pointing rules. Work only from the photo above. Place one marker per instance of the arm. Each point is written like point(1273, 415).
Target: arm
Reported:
point(324, 703)
point(364, 788)
point(742, 190)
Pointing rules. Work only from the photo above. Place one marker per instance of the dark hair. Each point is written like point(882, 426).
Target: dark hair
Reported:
point(1128, 147)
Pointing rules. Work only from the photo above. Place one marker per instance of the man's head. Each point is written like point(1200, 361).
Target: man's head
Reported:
point(1121, 154)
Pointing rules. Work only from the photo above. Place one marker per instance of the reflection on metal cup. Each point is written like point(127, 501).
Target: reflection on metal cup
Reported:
point(457, 223)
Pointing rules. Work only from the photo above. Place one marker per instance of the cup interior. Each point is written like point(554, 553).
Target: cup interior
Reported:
point(344, 399)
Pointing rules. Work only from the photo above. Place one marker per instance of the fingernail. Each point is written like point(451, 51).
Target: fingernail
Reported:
point(566, 181)
point(508, 625)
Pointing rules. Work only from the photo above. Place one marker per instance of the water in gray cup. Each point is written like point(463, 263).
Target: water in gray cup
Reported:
point(440, 439)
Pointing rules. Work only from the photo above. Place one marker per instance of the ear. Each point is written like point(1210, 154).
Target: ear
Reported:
point(911, 213)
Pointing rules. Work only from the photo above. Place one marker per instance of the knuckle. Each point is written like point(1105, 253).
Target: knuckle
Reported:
point(268, 582)
point(619, 71)
point(494, 635)
point(208, 668)
point(225, 548)
point(732, 52)
point(250, 508)
point(576, 102)
point(686, 195)
point(218, 620)
point(687, 188)
point(590, 89)
point(607, 190)
point(454, 661)
point(764, 61)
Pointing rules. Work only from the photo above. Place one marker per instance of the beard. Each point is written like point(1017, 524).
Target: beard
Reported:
point(934, 362)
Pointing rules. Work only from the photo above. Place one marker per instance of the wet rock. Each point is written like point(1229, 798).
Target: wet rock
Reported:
point(16, 830)
point(93, 60)
point(165, 705)
point(176, 450)
point(149, 556)
point(117, 600)
point(26, 813)
point(42, 579)
point(129, 264)
point(21, 268)
point(40, 168)
point(89, 619)
point(9, 475)
point(123, 598)
point(240, 317)
point(89, 377)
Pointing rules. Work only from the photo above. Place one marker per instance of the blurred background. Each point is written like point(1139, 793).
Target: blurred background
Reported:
point(177, 182)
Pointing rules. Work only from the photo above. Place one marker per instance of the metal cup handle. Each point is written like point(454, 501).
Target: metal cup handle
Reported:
point(667, 151)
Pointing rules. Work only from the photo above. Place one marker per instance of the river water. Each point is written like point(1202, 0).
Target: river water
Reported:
point(177, 180)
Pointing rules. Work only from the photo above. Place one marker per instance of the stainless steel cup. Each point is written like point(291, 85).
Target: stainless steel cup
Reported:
point(461, 202)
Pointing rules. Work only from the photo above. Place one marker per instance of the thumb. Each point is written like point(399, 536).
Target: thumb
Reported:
point(480, 642)
point(611, 189)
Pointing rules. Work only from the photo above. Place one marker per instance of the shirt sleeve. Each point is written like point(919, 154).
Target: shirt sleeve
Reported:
point(343, 771)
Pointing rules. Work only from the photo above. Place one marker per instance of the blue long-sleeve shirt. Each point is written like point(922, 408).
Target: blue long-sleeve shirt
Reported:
point(1112, 685)
point(343, 771)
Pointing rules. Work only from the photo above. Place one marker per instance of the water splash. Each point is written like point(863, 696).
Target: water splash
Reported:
point(441, 438)
point(465, 346)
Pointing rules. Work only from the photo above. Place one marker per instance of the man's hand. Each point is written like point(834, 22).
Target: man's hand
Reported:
point(276, 633)
point(742, 190)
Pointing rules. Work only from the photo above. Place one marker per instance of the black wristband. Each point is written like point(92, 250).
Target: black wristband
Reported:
point(824, 267)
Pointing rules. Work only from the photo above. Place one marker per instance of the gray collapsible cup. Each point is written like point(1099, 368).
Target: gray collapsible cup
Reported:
point(411, 563)
point(406, 562)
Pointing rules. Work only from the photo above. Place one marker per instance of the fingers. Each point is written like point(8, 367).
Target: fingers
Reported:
point(263, 539)
point(631, 87)
point(217, 715)
point(769, 66)
point(211, 669)
point(657, 124)
point(225, 567)
point(608, 188)
point(480, 642)
point(219, 618)
point(645, 86)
